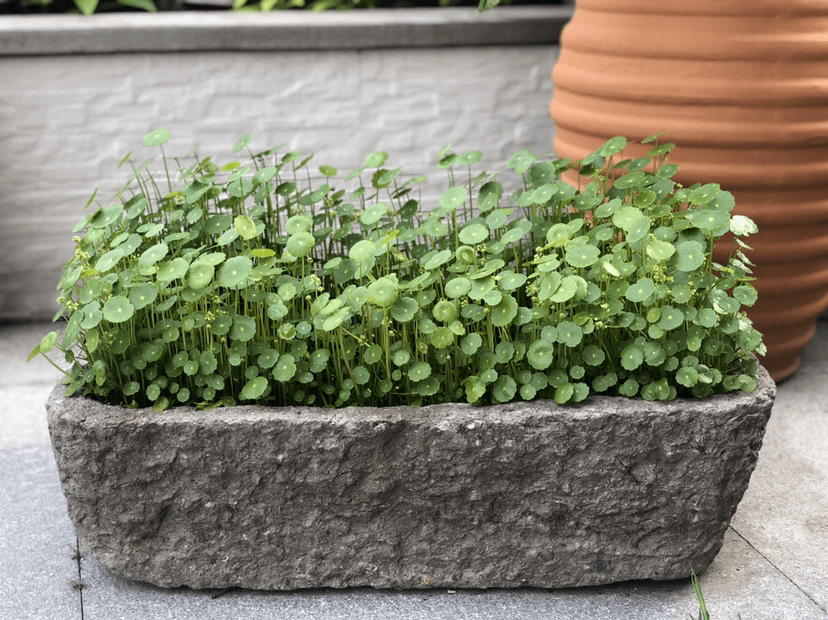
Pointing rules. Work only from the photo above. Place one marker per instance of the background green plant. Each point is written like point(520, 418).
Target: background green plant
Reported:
point(255, 282)
point(88, 7)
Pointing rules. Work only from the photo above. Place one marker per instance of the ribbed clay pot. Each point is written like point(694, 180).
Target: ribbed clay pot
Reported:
point(741, 86)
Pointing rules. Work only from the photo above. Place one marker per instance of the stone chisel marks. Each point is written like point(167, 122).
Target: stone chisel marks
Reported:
point(523, 494)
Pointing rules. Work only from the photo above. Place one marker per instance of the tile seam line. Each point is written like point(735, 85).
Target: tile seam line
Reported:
point(78, 559)
point(780, 571)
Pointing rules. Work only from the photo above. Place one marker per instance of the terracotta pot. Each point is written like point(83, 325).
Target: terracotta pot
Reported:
point(741, 86)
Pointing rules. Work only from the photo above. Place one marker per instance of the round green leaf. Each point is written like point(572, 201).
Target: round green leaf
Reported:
point(264, 175)
point(157, 138)
point(143, 295)
point(640, 290)
point(234, 271)
point(511, 281)
point(200, 274)
point(361, 251)
point(298, 223)
point(243, 142)
point(318, 360)
point(109, 260)
point(671, 318)
point(629, 180)
point(375, 160)
point(118, 309)
point(404, 309)
point(505, 311)
point(427, 387)
point(335, 320)
point(660, 250)
point(593, 355)
point(489, 196)
point(383, 292)
point(709, 220)
point(212, 258)
point(457, 287)
point(564, 393)
point(746, 294)
point(244, 328)
point(690, 255)
point(492, 298)
point(504, 389)
point(445, 311)
point(632, 357)
point(566, 291)
point(374, 214)
point(285, 368)
point(681, 293)
point(253, 388)
point(172, 270)
point(629, 388)
point(475, 389)
point(437, 259)
point(474, 234)
point(419, 371)
point(471, 343)
point(541, 353)
point(434, 227)
point(569, 333)
point(361, 375)
point(153, 254)
point(687, 376)
point(442, 337)
point(452, 198)
point(372, 354)
point(582, 256)
point(497, 219)
point(613, 146)
point(245, 227)
point(300, 244)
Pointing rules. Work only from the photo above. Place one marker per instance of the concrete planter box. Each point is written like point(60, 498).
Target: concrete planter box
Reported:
point(524, 494)
point(81, 92)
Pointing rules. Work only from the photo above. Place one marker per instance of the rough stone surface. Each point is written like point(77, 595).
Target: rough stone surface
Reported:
point(524, 494)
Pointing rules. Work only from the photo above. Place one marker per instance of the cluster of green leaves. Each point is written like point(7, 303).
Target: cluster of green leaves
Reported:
point(253, 283)
point(85, 7)
point(88, 7)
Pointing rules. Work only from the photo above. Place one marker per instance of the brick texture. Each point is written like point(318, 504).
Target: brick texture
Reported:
point(66, 121)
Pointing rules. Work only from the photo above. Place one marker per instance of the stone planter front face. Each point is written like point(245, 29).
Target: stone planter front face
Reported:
point(524, 494)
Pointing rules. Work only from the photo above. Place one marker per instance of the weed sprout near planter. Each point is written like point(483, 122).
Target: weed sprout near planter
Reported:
point(210, 286)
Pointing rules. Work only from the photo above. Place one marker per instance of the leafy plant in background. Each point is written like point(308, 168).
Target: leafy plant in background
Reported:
point(88, 7)
point(253, 283)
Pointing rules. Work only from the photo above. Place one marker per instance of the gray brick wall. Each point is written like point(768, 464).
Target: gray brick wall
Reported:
point(66, 121)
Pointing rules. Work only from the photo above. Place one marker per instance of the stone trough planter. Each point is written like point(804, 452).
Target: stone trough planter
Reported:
point(524, 494)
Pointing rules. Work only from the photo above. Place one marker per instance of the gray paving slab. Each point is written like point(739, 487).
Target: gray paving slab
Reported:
point(23, 416)
point(774, 563)
point(784, 513)
point(36, 537)
point(739, 584)
point(16, 341)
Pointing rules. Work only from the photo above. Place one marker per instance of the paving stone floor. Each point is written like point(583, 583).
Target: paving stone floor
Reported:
point(773, 566)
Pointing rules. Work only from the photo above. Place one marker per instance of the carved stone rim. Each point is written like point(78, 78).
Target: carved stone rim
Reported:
point(24, 35)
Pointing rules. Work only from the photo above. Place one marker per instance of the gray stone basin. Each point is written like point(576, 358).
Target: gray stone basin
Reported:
point(522, 494)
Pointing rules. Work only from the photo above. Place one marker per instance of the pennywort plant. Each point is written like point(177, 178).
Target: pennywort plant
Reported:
point(258, 282)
